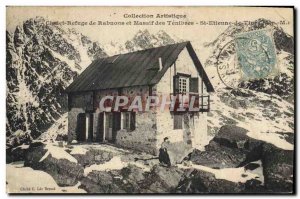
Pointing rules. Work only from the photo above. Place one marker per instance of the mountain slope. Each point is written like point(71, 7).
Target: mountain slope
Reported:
point(41, 61)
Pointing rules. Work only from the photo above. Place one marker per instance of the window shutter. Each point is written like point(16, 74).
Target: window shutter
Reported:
point(100, 126)
point(126, 121)
point(176, 84)
point(194, 86)
point(132, 121)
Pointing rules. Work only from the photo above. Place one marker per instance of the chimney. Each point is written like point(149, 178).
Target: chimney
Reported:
point(160, 63)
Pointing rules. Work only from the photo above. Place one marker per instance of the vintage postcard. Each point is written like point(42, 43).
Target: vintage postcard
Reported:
point(143, 100)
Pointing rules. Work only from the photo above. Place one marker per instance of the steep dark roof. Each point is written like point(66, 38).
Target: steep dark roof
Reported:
point(133, 69)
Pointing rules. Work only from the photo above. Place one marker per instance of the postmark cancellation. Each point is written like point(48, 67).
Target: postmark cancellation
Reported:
point(256, 54)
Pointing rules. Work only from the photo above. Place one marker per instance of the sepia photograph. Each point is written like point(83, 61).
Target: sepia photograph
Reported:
point(150, 100)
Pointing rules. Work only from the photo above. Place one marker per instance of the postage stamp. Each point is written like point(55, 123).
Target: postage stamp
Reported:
point(256, 54)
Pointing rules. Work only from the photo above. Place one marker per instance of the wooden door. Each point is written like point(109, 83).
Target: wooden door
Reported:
point(116, 125)
point(100, 127)
point(90, 126)
point(81, 127)
point(108, 126)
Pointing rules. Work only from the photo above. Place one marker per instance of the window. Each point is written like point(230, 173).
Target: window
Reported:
point(128, 121)
point(109, 120)
point(181, 83)
point(182, 120)
point(178, 121)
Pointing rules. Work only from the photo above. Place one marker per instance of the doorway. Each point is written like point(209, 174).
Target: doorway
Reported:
point(80, 128)
point(110, 123)
point(84, 127)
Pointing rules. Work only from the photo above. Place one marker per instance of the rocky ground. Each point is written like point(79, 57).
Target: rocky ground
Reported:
point(231, 163)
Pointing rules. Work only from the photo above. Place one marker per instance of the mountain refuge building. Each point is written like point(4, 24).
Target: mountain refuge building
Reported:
point(173, 71)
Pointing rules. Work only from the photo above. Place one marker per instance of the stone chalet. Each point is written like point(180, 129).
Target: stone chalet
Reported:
point(172, 70)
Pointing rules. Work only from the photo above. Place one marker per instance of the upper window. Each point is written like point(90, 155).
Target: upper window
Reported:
point(183, 85)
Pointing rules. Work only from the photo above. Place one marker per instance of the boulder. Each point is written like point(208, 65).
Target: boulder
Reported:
point(177, 151)
point(289, 137)
point(254, 186)
point(236, 137)
point(161, 180)
point(93, 156)
point(65, 171)
point(100, 182)
point(218, 156)
point(16, 154)
point(74, 142)
point(231, 147)
point(196, 181)
point(126, 180)
point(133, 179)
point(278, 167)
point(252, 166)
point(8, 155)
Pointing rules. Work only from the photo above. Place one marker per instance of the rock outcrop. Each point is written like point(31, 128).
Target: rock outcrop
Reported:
point(278, 169)
point(231, 147)
point(65, 170)
point(132, 179)
point(93, 156)
point(203, 182)
point(16, 154)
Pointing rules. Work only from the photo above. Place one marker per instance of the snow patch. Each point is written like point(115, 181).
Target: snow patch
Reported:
point(141, 166)
point(59, 127)
point(229, 174)
point(69, 62)
point(114, 164)
point(24, 146)
point(58, 153)
point(272, 138)
point(79, 150)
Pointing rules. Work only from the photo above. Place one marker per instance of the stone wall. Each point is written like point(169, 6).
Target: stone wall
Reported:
point(72, 123)
point(79, 103)
point(196, 135)
point(200, 131)
point(144, 137)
